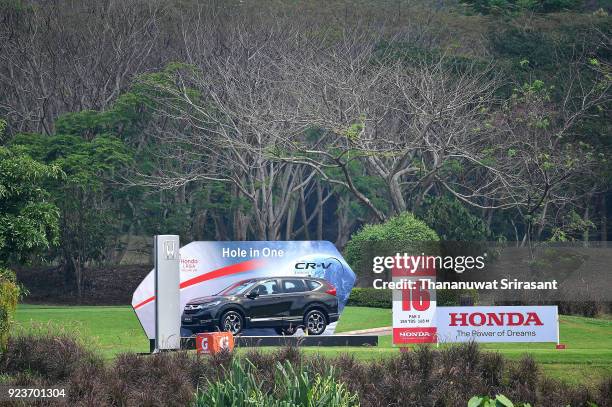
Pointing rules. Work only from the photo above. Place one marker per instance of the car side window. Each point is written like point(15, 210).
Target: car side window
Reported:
point(313, 285)
point(267, 288)
point(293, 286)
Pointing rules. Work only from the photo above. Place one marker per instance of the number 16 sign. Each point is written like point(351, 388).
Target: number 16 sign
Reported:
point(414, 307)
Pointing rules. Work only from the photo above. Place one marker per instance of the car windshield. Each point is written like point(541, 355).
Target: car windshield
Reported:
point(238, 288)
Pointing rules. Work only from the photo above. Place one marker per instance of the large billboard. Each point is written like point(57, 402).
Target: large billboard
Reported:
point(498, 324)
point(274, 273)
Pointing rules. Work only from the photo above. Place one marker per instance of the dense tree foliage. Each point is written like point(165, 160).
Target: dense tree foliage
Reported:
point(507, 6)
point(453, 221)
point(28, 222)
point(306, 120)
point(85, 196)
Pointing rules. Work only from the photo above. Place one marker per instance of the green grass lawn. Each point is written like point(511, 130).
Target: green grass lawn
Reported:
point(108, 330)
point(113, 330)
point(355, 318)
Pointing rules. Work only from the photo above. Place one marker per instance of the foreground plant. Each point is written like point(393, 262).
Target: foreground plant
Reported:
point(499, 401)
point(283, 378)
point(241, 387)
point(9, 294)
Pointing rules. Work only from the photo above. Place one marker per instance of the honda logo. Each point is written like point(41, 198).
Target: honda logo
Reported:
point(170, 249)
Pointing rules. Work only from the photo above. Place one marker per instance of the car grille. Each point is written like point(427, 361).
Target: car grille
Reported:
point(190, 309)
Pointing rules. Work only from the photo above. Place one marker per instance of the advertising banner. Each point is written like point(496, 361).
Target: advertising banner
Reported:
point(497, 324)
point(414, 305)
point(212, 272)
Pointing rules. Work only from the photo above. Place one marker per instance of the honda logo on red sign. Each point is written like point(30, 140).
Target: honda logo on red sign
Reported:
point(414, 335)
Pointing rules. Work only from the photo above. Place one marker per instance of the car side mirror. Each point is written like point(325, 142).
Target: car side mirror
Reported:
point(253, 294)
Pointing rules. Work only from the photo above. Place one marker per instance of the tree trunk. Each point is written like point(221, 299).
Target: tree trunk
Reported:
point(395, 191)
point(220, 230)
point(320, 209)
point(126, 246)
point(78, 274)
point(585, 233)
point(604, 219)
point(344, 221)
point(542, 222)
point(289, 222)
point(360, 196)
point(303, 213)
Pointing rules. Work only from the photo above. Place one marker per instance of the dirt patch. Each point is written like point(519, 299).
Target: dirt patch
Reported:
point(103, 286)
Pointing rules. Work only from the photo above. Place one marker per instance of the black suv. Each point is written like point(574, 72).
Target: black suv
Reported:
point(282, 303)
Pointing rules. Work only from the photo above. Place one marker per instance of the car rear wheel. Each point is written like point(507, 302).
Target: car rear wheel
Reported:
point(232, 322)
point(315, 322)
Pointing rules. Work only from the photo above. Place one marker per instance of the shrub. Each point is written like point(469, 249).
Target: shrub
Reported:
point(523, 379)
point(449, 376)
point(51, 356)
point(445, 298)
point(588, 309)
point(552, 396)
point(513, 6)
point(242, 387)
point(605, 392)
point(370, 297)
point(375, 298)
point(9, 294)
point(392, 236)
point(492, 366)
point(161, 379)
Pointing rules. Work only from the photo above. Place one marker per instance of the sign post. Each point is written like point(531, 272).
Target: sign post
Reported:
point(167, 295)
point(414, 306)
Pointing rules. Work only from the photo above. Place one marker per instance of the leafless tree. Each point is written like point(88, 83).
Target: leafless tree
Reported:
point(73, 56)
point(276, 111)
point(406, 121)
point(238, 107)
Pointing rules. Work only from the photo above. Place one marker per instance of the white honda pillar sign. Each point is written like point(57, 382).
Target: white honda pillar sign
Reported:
point(498, 324)
point(167, 282)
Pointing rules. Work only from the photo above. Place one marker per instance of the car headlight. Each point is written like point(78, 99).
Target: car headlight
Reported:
point(203, 306)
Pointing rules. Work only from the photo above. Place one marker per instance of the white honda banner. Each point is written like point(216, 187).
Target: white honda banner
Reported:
point(497, 324)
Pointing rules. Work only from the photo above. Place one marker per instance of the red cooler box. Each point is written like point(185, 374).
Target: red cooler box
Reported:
point(214, 342)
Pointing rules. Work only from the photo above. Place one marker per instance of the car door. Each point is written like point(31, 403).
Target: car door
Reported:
point(296, 293)
point(269, 307)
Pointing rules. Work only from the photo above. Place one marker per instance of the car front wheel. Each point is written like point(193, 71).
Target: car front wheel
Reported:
point(315, 322)
point(232, 322)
